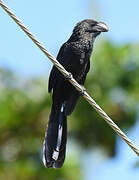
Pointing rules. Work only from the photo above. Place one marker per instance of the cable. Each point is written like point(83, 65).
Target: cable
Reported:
point(72, 80)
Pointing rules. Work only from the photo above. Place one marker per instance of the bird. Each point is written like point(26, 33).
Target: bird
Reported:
point(74, 56)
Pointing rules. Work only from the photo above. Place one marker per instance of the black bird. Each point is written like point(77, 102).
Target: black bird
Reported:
point(74, 55)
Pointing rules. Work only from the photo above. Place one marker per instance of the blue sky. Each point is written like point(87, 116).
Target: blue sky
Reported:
point(52, 23)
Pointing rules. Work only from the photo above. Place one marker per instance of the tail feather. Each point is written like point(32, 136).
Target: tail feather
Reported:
point(54, 146)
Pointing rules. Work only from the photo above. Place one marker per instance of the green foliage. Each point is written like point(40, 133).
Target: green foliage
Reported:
point(24, 113)
point(25, 107)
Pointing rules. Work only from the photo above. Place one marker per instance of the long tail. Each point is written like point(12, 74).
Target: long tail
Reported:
point(54, 146)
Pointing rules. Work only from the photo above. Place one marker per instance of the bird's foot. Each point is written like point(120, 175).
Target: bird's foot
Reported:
point(69, 76)
point(83, 90)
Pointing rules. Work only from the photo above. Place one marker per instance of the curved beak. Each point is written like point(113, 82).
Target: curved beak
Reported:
point(101, 27)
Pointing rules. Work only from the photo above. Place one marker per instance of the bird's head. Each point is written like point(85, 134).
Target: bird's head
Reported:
point(90, 26)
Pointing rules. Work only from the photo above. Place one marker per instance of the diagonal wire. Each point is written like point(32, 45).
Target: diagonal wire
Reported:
point(72, 80)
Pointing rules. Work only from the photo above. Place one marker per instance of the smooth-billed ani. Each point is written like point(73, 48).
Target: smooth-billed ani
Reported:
point(74, 55)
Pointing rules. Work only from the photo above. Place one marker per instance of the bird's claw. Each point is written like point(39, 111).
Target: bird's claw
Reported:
point(83, 90)
point(69, 76)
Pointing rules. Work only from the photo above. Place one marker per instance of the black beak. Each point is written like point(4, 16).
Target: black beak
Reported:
point(101, 27)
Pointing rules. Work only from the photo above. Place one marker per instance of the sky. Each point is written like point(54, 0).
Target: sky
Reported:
point(52, 23)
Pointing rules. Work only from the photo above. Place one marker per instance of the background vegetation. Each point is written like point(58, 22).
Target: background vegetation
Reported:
point(25, 105)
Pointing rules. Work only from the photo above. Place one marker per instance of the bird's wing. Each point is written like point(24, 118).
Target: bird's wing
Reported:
point(52, 79)
point(66, 56)
point(54, 72)
point(82, 81)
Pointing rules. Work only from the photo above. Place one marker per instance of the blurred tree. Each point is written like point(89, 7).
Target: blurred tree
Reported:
point(25, 107)
point(24, 111)
point(113, 83)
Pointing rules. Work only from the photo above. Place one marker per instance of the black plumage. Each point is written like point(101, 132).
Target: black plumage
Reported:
point(74, 55)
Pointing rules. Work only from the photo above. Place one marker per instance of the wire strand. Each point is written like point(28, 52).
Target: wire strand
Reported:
point(71, 79)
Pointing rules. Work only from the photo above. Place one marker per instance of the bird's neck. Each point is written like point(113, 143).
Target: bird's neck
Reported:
point(83, 38)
